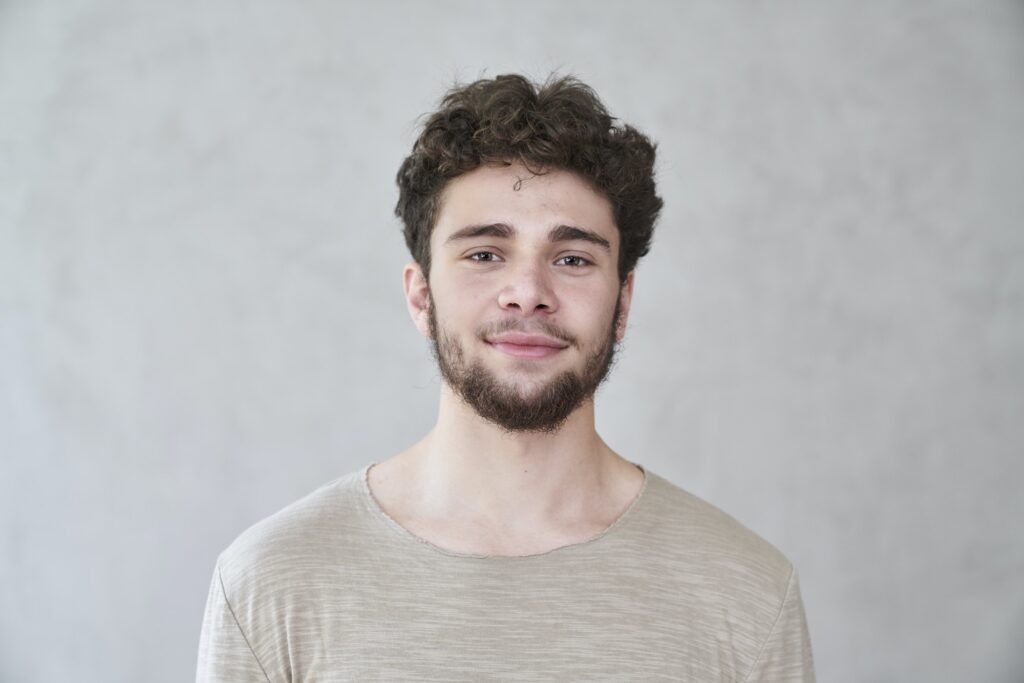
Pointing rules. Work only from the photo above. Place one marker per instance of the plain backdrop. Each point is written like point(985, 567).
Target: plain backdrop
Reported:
point(201, 317)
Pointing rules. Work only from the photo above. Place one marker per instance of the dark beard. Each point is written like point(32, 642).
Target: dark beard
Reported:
point(546, 410)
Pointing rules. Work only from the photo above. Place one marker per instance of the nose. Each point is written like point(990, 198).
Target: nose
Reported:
point(528, 290)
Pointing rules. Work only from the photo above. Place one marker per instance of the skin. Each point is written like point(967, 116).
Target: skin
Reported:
point(469, 486)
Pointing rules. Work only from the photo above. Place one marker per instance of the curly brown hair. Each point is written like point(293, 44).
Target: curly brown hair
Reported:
point(558, 124)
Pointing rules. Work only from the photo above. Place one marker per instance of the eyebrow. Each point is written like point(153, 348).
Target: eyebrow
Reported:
point(561, 233)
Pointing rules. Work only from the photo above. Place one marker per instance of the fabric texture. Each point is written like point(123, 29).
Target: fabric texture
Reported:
point(332, 589)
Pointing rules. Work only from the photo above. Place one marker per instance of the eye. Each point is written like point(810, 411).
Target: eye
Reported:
point(574, 261)
point(483, 256)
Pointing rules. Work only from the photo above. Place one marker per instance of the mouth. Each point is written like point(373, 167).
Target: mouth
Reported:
point(526, 351)
point(520, 345)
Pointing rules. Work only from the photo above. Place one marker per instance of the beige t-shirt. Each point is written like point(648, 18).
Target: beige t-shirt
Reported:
point(332, 589)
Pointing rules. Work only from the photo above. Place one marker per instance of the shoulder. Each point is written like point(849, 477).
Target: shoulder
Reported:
point(298, 541)
point(730, 595)
point(711, 546)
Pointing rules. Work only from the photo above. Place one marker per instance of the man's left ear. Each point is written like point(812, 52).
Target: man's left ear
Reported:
point(625, 300)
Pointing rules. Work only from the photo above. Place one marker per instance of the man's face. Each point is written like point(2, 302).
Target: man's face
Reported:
point(524, 304)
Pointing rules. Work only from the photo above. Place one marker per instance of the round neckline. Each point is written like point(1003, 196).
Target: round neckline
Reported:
point(381, 514)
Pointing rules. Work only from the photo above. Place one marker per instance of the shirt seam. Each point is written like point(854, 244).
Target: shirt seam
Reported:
point(231, 610)
point(771, 631)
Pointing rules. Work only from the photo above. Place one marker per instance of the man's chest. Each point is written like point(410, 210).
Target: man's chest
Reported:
point(491, 633)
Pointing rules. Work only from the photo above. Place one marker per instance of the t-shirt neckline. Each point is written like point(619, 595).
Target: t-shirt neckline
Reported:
point(389, 521)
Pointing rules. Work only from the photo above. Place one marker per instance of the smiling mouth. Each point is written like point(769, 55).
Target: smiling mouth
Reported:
point(526, 350)
point(526, 345)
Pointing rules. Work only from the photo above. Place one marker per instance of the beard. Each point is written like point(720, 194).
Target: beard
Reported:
point(545, 408)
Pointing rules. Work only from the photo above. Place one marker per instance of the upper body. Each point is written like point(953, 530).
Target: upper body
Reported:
point(526, 210)
point(332, 588)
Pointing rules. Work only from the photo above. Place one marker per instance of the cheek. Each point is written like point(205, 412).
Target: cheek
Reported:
point(461, 307)
point(589, 318)
point(595, 307)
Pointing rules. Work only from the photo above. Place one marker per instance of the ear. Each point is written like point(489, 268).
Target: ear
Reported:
point(417, 297)
point(625, 300)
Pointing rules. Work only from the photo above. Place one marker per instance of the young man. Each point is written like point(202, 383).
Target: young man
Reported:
point(511, 543)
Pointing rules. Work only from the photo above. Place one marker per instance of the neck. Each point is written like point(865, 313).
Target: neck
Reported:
point(469, 468)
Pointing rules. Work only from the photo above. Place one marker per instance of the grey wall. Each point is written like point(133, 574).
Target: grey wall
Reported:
point(201, 316)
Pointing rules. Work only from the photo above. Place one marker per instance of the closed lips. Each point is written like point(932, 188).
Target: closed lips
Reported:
point(522, 339)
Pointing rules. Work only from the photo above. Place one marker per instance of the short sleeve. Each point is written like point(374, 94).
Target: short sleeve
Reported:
point(224, 652)
point(786, 655)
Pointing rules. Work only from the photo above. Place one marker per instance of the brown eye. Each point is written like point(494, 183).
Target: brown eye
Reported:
point(575, 261)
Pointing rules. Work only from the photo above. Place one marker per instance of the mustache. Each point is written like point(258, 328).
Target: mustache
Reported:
point(536, 327)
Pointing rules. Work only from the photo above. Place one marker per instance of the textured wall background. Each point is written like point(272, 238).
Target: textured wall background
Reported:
point(201, 316)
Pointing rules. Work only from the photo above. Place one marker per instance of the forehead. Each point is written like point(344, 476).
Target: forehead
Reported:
point(514, 195)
